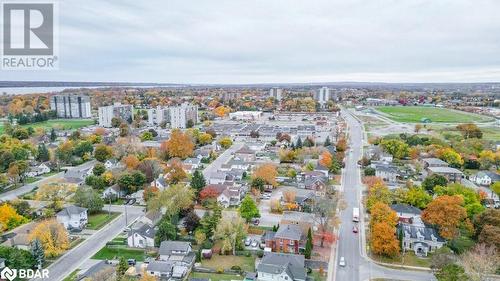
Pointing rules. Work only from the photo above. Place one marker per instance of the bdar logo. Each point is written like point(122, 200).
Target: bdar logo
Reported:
point(8, 274)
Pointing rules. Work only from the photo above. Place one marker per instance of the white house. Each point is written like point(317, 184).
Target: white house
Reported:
point(38, 170)
point(113, 191)
point(217, 178)
point(159, 182)
point(194, 162)
point(73, 217)
point(485, 178)
point(141, 236)
point(160, 269)
point(281, 267)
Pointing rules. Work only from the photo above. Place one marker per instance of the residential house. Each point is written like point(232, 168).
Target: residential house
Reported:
point(217, 178)
point(420, 238)
point(281, 267)
point(111, 164)
point(451, 174)
point(245, 154)
point(194, 162)
point(141, 236)
point(317, 184)
point(304, 220)
point(38, 170)
point(229, 197)
point(159, 182)
point(433, 162)
point(160, 269)
point(386, 171)
point(287, 239)
point(485, 178)
point(406, 212)
point(151, 217)
point(113, 191)
point(322, 169)
point(73, 217)
point(179, 252)
point(77, 176)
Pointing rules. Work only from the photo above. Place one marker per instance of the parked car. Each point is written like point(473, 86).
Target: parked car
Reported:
point(255, 243)
point(355, 229)
point(262, 245)
point(248, 241)
point(342, 261)
point(255, 221)
point(131, 261)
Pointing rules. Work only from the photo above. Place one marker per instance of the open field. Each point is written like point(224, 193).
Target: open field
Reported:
point(414, 114)
point(66, 124)
point(226, 262)
point(109, 253)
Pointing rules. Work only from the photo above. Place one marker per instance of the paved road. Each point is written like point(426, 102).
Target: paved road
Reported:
point(350, 244)
point(223, 158)
point(72, 260)
point(18, 192)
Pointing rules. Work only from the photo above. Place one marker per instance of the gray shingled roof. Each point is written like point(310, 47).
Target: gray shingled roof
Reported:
point(160, 266)
point(167, 247)
point(405, 208)
point(276, 263)
point(289, 231)
point(71, 210)
point(145, 230)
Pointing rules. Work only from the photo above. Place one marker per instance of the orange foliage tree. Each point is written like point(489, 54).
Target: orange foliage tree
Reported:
point(222, 111)
point(130, 161)
point(267, 172)
point(383, 239)
point(326, 159)
point(179, 145)
point(381, 212)
point(174, 172)
point(447, 213)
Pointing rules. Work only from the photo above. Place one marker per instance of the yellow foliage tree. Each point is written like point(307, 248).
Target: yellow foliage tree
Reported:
point(53, 236)
point(9, 218)
point(267, 172)
point(179, 145)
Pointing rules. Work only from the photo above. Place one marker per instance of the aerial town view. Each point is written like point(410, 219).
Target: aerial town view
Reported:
point(250, 140)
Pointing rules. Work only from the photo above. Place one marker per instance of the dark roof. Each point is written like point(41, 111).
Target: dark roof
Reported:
point(95, 269)
point(160, 266)
point(276, 263)
point(427, 232)
point(492, 176)
point(405, 208)
point(145, 230)
point(167, 247)
point(289, 231)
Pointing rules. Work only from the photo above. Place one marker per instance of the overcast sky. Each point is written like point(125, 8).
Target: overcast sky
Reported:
point(266, 41)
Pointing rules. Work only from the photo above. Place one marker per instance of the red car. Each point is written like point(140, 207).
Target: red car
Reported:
point(355, 229)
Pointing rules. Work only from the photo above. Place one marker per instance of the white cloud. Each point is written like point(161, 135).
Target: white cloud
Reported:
point(238, 41)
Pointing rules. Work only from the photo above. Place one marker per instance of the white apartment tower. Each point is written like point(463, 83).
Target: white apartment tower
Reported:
point(71, 106)
point(322, 96)
point(124, 112)
point(177, 116)
point(276, 93)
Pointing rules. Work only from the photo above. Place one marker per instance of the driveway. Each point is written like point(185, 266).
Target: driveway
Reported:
point(223, 158)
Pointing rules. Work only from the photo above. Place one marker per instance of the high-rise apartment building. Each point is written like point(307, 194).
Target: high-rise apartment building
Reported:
point(177, 116)
point(276, 93)
point(322, 96)
point(124, 112)
point(71, 106)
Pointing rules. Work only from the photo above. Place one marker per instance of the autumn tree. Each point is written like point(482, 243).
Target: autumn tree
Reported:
point(470, 131)
point(103, 152)
point(451, 157)
point(225, 142)
point(381, 212)
point(248, 209)
point(130, 161)
point(418, 197)
point(174, 171)
point(383, 239)
point(179, 145)
point(447, 213)
point(151, 168)
point(222, 111)
point(208, 195)
point(55, 192)
point(267, 172)
point(487, 227)
point(480, 262)
point(9, 218)
point(53, 237)
point(174, 199)
point(378, 192)
point(326, 159)
point(231, 231)
point(341, 145)
point(204, 138)
point(395, 147)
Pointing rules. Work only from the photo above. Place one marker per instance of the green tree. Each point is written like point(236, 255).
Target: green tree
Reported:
point(309, 245)
point(88, 198)
point(99, 169)
point(298, 144)
point(210, 220)
point(232, 232)
point(369, 171)
point(82, 148)
point(451, 272)
point(53, 135)
point(328, 142)
point(248, 209)
point(198, 182)
point(37, 252)
point(122, 268)
point(166, 231)
point(174, 199)
point(147, 136)
point(418, 197)
point(433, 180)
point(397, 148)
point(43, 153)
point(103, 152)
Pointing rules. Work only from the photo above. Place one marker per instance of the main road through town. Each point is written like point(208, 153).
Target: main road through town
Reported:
point(351, 245)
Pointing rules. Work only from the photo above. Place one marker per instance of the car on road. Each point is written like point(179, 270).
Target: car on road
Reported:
point(342, 261)
point(355, 229)
point(255, 243)
point(255, 221)
point(248, 241)
point(131, 262)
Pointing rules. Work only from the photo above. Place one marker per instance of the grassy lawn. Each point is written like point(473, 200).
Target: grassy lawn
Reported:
point(71, 276)
point(414, 114)
point(96, 221)
point(66, 124)
point(409, 259)
point(215, 276)
point(109, 253)
point(50, 174)
point(226, 262)
point(317, 276)
point(31, 180)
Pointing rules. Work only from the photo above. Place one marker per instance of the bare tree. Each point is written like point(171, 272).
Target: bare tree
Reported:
point(480, 262)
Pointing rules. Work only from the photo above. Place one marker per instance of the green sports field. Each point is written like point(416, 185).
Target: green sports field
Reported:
point(66, 124)
point(415, 114)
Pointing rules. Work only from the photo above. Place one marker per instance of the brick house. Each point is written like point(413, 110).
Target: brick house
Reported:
point(288, 239)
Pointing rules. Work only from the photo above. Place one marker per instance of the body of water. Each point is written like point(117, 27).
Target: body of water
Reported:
point(44, 90)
